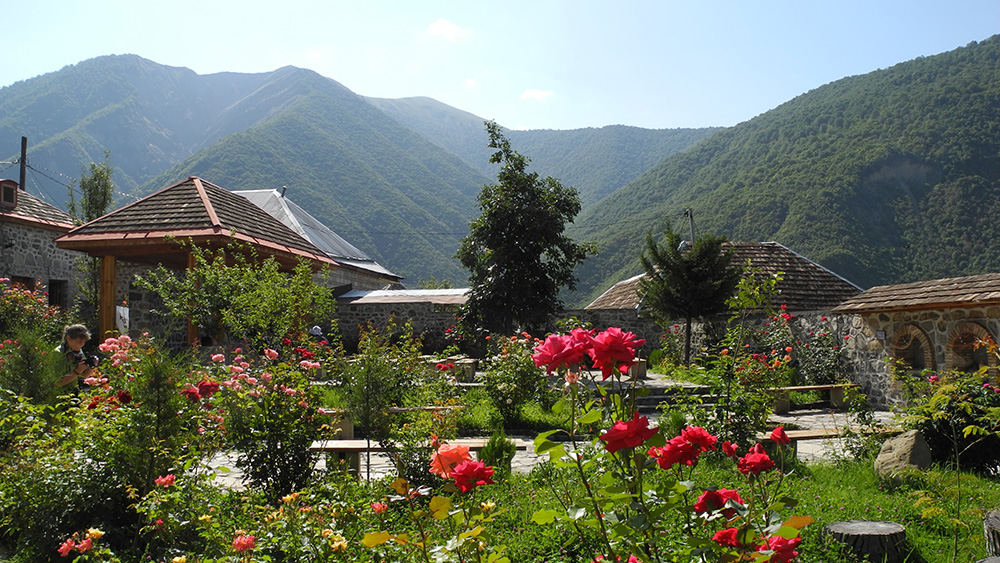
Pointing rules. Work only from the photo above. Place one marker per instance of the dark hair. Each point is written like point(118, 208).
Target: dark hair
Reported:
point(75, 331)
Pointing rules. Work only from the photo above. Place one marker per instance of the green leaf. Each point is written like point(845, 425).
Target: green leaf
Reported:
point(576, 512)
point(589, 417)
point(544, 516)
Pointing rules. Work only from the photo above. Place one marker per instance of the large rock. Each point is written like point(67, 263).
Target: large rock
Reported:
point(906, 451)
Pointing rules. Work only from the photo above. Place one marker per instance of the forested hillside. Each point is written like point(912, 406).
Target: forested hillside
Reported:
point(379, 185)
point(594, 161)
point(892, 176)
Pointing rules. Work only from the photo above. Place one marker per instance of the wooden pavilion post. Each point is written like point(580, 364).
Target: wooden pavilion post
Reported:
point(192, 329)
point(106, 300)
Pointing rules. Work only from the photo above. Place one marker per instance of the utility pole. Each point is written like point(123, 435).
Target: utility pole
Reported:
point(24, 160)
point(689, 213)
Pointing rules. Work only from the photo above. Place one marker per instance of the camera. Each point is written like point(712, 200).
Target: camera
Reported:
point(91, 361)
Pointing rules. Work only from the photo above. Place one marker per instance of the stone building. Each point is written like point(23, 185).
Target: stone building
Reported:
point(28, 253)
point(806, 289)
point(431, 311)
point(933, 325)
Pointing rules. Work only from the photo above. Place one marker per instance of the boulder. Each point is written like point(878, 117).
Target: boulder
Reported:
point(906, 451)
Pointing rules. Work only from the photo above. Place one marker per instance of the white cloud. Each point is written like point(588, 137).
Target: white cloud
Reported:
point(536, 95)
point(471, 84)
point(448, 31)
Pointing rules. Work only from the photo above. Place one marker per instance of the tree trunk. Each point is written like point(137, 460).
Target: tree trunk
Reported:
point(991, 529)
point(687, 341)
point(880, 541)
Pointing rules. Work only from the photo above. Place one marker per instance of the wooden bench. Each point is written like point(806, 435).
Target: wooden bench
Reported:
point(824, 434)
point(349, 451)
point(783, 402)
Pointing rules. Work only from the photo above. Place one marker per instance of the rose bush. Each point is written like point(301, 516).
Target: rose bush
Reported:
point(623, 513)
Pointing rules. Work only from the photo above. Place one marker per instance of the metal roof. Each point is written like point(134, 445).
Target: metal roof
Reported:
point(310, 228)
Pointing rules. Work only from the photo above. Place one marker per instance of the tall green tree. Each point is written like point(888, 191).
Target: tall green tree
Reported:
point(517, 253)
point(96, 199)
point(686, 282)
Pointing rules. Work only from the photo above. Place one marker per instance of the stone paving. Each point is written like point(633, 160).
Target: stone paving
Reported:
point(525, 460)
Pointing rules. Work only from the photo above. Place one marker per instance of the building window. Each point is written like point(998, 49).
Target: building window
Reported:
point(964, 351)
point(911, 347)
point(23, 281)
point(59, 293)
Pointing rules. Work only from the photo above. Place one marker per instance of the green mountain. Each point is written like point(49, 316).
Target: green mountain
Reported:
point(888, 177)
point(403, 193)
point(595, 161)
point(376, 183)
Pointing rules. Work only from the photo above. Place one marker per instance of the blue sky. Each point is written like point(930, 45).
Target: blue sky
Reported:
point(528, 65)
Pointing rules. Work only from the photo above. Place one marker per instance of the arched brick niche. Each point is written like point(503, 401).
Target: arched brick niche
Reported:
point(962, 354)
point(911, 346)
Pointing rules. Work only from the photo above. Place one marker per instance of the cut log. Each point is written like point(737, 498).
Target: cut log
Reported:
point(879, 541)
point(989, 560)
point(991, 529)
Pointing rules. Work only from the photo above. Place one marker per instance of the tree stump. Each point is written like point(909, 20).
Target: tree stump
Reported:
point(989, 560)
point(880, 541)
point(991, 530)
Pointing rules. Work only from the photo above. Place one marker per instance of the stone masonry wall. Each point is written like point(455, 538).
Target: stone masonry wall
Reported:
point(868, 344)
point(32, 253)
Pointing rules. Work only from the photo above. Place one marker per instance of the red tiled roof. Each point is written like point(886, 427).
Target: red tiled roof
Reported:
point(191, 208)
point(805, 285)
point(968, 291)
point(33, 211)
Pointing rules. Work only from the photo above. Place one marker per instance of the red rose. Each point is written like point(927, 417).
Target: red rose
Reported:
point(778, 435)
point(729, 448)
point(627, 434)
point(710, 501)
point(699, 437)
point(191, 393)
point(755, 462)
point(207, 388)
point(559, 351)
point(471, 474)
point(727, 537)
point(677, 451)
point(614, 349)
point(784, 550)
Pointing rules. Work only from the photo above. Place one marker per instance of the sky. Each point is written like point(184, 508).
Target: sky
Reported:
point(525, 64)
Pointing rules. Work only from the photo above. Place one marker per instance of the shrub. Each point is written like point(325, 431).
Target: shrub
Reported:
point(511, 377)
point(958, 414)
point(272, 419)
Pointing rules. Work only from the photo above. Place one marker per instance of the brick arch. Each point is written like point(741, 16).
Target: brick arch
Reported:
point(911, 346)
point(961, 353)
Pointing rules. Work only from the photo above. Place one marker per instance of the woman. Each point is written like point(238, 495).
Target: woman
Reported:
point(74, 337)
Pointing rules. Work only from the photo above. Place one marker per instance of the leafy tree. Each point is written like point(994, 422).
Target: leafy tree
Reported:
point(96, 199)
point(230, 292)
point(516, 252)
point(691, 282)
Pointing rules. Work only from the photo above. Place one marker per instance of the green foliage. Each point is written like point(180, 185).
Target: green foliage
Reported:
point(230, 293)
point(511, 376)
point(97, 191)
point(22, 307)
point(885, 177)
point(499, 452)
point(516, 252)
point(272, 421)
point(686, 283)
point(958, 415)
point(30, 367)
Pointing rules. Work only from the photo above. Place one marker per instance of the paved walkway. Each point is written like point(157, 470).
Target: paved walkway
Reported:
point(524, 461)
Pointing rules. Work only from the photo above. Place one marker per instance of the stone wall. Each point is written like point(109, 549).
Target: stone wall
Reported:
point(31, 253)
point(429, 319)
point(869, 347)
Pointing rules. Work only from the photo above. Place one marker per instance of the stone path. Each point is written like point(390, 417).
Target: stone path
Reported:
point(524, 461)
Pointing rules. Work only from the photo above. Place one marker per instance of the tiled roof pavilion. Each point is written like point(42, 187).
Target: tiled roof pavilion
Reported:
point(192, 209)
point(149, 231)
point(805, 285)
